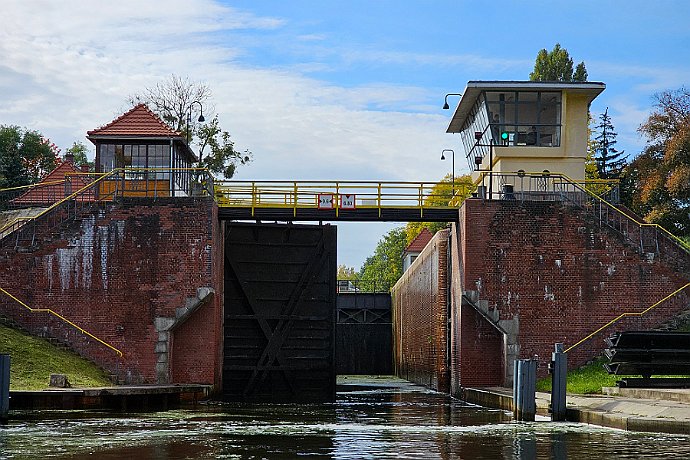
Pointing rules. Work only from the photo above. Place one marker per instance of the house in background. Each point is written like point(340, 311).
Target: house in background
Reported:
point(415, 248)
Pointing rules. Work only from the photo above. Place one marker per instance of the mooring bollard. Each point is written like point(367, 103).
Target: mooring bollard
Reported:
point(559, 379)
point(4, 387)
point(524, 387)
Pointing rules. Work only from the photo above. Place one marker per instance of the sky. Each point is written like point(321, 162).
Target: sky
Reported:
point(328, 90)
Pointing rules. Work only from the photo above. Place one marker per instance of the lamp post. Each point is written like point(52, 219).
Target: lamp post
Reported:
point(453, 173)
point(445, 100)
point(189, 119)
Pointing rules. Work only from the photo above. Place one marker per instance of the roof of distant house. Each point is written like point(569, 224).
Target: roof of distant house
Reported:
point(140, 121)
point(420, 241)
point(52, 187)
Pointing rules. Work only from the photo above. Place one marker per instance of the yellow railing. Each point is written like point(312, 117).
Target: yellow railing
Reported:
point(335, 194)
point(626, 315)
point(589, 195)
point(560, 184)
point(90, 188)
point(63, 319)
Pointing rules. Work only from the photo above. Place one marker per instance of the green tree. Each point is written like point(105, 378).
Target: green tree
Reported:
point(609, 160)
point(441, 195)
point(385, 265)
point(25, 156)
point(222, 158)
point(346, 273)
point(557, 65)
point(79, 151)
point(591, 171)
point(178, 102)
point(656, 184)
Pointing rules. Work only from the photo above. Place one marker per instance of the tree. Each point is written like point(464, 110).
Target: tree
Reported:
point(25, 156)
point(385, 265)
point(346, 273)
point(557, 65)
point(609, 160)
point(440, 195)
point(656, 184)
point(222, 157)
point(78, 151)
point(178, 102)
point(173, 101)
point(591, 170)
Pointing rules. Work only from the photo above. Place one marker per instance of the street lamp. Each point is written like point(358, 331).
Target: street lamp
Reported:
point(189, 119)
point(443, 158)
point(445, 101)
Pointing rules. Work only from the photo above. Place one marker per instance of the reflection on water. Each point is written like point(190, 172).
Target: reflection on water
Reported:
point(378, 423)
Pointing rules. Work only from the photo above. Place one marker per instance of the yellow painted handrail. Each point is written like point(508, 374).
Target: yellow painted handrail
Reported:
point(32, 186)
point(627, 314)
point(567, 179)
point(295, 195)
point(62, 318)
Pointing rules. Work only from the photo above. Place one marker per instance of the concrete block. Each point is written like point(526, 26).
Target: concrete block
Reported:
point(204, 292)
point(163, 323)
point(162, 358)
point(483, 305)
point(161, 347)
point(163, 336)
point(59, 381)
point(511, 326)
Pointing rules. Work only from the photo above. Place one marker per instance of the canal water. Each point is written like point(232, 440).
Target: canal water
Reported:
point(366, 422)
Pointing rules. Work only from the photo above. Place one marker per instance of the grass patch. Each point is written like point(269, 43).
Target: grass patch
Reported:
point(34, 359)
point(585, 380)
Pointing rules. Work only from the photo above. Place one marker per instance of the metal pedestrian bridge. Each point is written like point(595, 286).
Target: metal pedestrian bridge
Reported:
point(338, 201)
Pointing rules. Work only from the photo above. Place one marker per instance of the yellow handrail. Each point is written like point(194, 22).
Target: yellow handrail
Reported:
point(682, 243)
point(623, 315)
point(38, 184)
point(62, 318)
point(304, 194)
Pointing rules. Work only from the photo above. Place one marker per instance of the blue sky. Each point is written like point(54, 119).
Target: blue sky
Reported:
point(329, 89)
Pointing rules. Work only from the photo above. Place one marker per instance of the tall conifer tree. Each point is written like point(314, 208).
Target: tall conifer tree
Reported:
point(610, 162)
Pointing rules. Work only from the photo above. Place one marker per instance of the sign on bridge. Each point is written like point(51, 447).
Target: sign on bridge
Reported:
point(347, 202)
point(325, 201)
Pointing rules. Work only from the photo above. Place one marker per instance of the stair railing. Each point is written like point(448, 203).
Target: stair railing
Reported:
point(628, 315)
point(69, 207)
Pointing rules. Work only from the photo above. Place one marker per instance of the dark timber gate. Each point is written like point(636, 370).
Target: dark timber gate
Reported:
point(279, 320)
point(364, 333)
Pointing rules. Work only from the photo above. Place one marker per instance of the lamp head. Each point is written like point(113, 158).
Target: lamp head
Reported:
point(201, 118)
point(443, 157)
point(446, 106)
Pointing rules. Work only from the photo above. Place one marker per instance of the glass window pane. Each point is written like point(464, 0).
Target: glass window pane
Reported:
point(106, 157)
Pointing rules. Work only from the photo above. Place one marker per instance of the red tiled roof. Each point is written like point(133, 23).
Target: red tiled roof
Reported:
point(140, 121)
point(420, 241)
point(49, 194)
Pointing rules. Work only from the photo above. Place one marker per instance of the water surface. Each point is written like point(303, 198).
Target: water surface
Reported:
point(403, 422)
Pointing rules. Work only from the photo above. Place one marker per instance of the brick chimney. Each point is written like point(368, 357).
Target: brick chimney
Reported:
point(85, 168)
point(69, 158)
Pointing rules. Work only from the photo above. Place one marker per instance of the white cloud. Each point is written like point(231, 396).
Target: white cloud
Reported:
point(68, 67)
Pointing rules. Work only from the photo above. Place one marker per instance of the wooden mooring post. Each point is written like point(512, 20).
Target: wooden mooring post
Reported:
point(4, 387)
point(524, 387)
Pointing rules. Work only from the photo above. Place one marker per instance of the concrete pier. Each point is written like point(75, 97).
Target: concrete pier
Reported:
point(657, 411)
point(121, 398)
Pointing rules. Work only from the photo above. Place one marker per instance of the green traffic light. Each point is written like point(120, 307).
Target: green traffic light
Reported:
point(504, 135)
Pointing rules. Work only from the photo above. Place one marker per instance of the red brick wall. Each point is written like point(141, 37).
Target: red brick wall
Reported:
point(114, 272)
point(420, 318)
point(484, 343)
point(561, 275)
